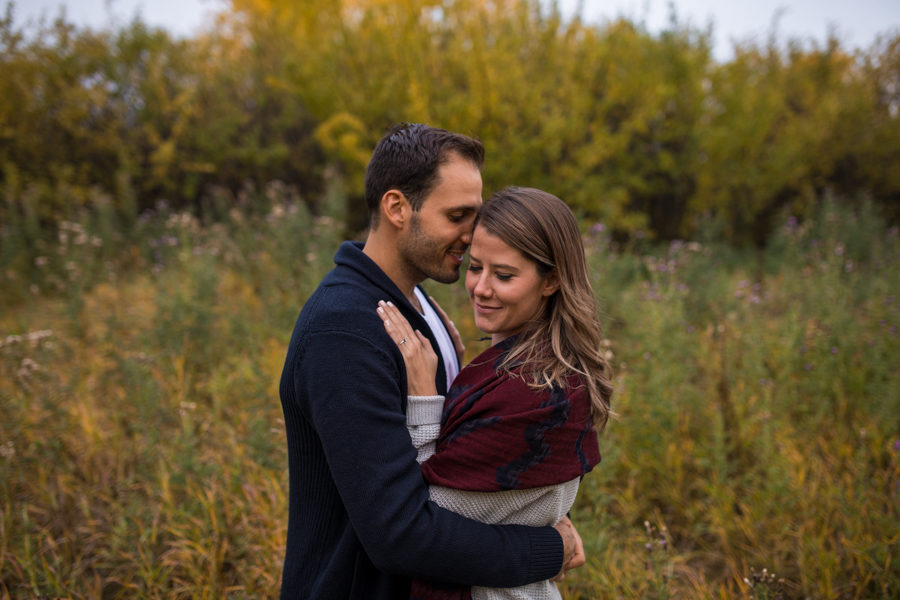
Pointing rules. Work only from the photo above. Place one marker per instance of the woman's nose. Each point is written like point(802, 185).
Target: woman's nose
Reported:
point(482, 287)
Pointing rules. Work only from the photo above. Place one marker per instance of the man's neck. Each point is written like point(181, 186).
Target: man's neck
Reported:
point(385, 256)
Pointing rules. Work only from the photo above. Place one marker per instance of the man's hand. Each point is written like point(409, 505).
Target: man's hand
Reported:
point(573, 548)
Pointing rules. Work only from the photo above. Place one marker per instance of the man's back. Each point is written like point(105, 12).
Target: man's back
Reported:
point(332, 325)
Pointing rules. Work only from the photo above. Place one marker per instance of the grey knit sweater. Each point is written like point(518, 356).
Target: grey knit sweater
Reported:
point(535, 506)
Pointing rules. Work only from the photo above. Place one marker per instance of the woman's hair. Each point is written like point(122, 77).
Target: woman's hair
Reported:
point(544, 230)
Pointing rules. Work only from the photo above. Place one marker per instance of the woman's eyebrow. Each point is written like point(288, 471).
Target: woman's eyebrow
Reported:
point(496, 265)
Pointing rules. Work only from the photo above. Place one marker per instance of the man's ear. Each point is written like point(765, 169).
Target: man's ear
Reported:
point(551, 283)
point(395, 208)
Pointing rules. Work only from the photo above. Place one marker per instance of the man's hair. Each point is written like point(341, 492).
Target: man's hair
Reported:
point(407, 159)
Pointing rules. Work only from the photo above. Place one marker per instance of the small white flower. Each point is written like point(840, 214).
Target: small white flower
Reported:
point(8, 450)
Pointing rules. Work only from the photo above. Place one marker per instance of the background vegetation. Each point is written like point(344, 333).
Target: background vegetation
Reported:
point(168, 205)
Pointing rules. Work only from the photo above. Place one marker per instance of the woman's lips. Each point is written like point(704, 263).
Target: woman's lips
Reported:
point(487, 309)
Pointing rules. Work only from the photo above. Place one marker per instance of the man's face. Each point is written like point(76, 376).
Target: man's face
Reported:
point(440, 232)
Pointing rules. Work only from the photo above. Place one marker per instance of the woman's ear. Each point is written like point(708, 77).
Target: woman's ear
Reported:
point(551, 283)
point(395, 208)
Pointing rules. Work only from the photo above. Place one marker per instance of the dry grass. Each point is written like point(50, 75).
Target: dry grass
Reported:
point(757, 451)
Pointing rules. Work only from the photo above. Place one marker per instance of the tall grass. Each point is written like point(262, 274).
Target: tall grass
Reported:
point(756, 453)
point(760, 406)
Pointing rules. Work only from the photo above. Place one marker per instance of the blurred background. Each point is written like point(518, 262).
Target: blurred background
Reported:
point(175, 179)
point(855, 23)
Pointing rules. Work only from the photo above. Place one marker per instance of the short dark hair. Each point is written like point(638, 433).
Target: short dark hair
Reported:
point(408, 157)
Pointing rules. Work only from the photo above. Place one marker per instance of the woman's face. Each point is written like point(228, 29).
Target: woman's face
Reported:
point(505, 288)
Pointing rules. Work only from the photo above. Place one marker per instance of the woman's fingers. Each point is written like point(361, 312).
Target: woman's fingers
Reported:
point(395, 324)
point(422, 339)
point(419, 356)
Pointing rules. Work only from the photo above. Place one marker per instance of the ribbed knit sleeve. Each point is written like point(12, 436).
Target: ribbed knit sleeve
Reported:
point(423, 420)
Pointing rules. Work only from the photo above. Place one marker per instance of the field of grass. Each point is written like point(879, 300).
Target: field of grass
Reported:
point(756, 452)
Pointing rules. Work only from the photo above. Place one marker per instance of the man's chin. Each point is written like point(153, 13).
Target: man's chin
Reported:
point(446, 276)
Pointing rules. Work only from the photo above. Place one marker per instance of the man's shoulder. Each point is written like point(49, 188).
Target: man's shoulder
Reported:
point(343, 293)
point(344, 303)
point(354, 278)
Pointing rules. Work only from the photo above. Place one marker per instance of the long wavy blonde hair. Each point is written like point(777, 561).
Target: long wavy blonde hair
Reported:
point(544, 230)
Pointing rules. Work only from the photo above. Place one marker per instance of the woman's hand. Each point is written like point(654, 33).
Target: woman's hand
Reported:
point(420, 358)
point(454, 334)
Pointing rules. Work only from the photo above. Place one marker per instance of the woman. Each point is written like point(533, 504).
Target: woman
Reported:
point(519, 426)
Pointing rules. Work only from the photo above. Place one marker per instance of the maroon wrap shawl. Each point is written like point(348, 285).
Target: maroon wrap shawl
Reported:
point(498, 434)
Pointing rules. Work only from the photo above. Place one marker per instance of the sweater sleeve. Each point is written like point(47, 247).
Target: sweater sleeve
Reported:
point(352, 395)
point(423, 420)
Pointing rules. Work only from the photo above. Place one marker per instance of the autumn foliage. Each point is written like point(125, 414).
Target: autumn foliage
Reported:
point(643, 132)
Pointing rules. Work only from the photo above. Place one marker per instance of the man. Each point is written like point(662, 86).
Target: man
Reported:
point(360, 522)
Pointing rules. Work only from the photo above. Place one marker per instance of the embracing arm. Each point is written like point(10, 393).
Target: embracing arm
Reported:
point(424, 412)
point(362, 429)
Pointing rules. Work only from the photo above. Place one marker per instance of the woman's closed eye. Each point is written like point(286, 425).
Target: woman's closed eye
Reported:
point(499, 275)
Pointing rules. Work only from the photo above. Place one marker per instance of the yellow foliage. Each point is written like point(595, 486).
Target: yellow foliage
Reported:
point(344, 137)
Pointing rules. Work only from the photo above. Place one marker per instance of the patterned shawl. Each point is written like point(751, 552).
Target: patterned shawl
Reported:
point(499, 434)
